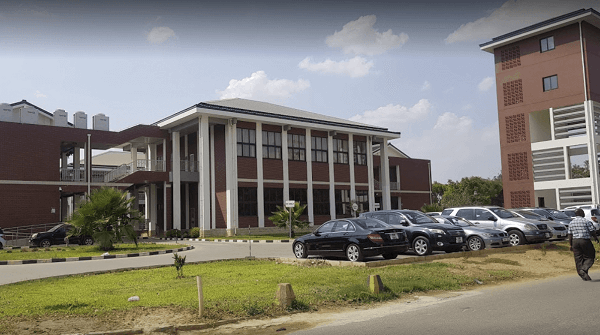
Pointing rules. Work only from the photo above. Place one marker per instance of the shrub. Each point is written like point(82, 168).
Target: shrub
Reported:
point(173, 233)
point(195, 232)
point(178, 264)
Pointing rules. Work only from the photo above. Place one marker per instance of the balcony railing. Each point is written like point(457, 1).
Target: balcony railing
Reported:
point(189, 165)
point(393, 185)
point(105, 176)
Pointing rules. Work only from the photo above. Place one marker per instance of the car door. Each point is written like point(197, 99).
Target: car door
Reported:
point(59, 235)
point(316, 245)
point(485, 218)
point(340, 235)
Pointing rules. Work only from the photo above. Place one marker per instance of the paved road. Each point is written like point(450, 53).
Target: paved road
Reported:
point(562, 305)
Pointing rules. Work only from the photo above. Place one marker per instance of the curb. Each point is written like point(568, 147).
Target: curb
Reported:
point(93, 258)
point(223, 240)
point(165, 329)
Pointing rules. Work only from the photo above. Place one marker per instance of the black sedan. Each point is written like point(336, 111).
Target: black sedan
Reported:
point(353, 238)
point(56, 235)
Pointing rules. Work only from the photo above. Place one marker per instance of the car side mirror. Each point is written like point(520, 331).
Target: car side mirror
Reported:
point(404, 223)
point(492, 218)
point(550, 218)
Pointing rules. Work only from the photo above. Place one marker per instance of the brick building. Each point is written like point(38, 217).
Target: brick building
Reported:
point(548, 110)
point(217, 165)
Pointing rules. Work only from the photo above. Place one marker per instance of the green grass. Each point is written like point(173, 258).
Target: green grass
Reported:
point(80, 251)
point(231, 288)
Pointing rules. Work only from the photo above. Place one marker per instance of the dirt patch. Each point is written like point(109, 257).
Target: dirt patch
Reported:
point(489, 270)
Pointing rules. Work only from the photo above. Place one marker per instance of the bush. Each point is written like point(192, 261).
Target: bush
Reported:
point(186, 234)
point(173, 233)
point(195, 232)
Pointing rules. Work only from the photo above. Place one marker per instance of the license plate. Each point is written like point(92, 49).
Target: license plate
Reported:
point(459, 240)
point(393, 236)
point(505, 239)
point(547, 234)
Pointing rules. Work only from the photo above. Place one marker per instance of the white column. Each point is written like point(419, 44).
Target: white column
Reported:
point(204, 174)
point(147, 203)
point(398, 177)
point(64, 160)
point(154, 207)
point(153, 165)
point(213, 197)
point(551, 115)
point(592, 149)
point(85, 161)
point(331, 176)
point(186, 153)
point(385, 176)
point(557, 194)
point(165, 205)
point(286, 172)
point(231, 172)
point(176, 172)
point(309, 179)
point(133, 159)
point(567, 162)
point(77, 163)
point(147, 156)
point(370, 173)
point(260, 178)
point(351, 164)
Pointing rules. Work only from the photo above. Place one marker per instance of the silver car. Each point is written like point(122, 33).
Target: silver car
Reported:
point(558, 229)
point(477, 238)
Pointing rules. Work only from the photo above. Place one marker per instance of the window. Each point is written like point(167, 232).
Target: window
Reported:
point(321, 202)
point(362, 199)
point(319, 149)
point(273, 198)
point(360, 153)
point(547, 44)
point(246, 142)
point(342, 203)
point(296, 147)
point(298, 195)
point(247, 204)
point(340, 151)
point(550, 83)
point(271, 144)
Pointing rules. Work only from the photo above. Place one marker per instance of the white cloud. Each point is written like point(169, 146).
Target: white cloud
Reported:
point(160, 35)
point(393, 117)
point(354, 67)
point(39, 94)
point(456, 149)
point(513, 15)
point(426, 86)
point(486, 84)
point(258, 86)
point(359, 38)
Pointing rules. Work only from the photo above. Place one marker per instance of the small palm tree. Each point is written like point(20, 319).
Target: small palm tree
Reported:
point(281, 218)
point(107, 215)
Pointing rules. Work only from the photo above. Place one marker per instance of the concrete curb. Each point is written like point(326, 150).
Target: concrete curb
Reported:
point(93, 258)
point(166, 329)
point(224, 240)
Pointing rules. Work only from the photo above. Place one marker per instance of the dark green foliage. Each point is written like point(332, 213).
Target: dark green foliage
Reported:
point(468, 191)
point(178, 264)
point(174, 233)
point(195, 232)
point(578, 171)
point(281, 217)
point(107, 215)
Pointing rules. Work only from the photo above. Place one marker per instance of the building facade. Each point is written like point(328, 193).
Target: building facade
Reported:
point(549, 110)
point(219, 166)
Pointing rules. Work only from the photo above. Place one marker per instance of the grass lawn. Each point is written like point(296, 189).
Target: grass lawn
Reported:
point(80, 251)
point(231, 288)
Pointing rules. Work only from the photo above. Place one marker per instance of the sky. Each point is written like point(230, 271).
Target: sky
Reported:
point(413, 67)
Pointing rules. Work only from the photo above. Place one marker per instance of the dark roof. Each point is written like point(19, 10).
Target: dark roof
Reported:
point(542, 24)
point(278, 116)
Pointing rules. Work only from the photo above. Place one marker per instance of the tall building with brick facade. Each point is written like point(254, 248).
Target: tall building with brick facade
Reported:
point(549, 110)
point(218, 165)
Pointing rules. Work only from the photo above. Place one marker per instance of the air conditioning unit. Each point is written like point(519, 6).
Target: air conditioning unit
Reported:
point(100, 122)
point(80, 120)
point(60, 118)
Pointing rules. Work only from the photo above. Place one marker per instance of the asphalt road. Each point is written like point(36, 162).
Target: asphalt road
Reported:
point(562, 305)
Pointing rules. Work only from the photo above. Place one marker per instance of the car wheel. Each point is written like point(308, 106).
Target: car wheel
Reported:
point(45, 244)
point(300, 250)
point(475, 243)
point(87, 241)
point(390, 256)
point(421, 246)
point(353, 253)
point(516, 237)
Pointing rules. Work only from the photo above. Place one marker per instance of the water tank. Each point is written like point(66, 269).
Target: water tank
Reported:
point(6, 113)
point(100, 122)
point(60, 118)
point(29, 115)
point(80, 120)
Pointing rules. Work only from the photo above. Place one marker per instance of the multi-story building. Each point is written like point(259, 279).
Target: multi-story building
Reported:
point(548, 90)
point(218, 165)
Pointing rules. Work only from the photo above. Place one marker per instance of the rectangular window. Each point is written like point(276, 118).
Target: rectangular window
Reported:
point(296, 147)
point(360, 153)
point(321, 202)
point(362, 199)
point(340, 151)
point(342, 203)
point(273, 198)
point(298, 195)
point(271, 144)
point(550, 83)
point(247, 204)
point(319, 149)
point(246, 142)
point(547, 44)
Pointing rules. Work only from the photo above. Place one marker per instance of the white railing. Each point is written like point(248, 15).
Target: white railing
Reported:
point(103, 176)
point(117, 173)
point(189, 165)
point(67, 174)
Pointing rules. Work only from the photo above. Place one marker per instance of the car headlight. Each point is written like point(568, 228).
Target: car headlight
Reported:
point(529, 226)
point(437, 231)
point(34, 235)
point(487, 235)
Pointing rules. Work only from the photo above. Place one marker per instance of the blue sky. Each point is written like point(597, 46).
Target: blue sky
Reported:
point(412, 67)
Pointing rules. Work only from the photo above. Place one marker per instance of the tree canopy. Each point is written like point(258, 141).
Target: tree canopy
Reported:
point(468, 191)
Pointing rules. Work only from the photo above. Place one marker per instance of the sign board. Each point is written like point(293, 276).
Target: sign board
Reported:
point(376, 205)
point(355, 206)
point(290, 204)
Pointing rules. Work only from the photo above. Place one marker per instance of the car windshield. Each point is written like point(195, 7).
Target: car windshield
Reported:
point(418, 218)
point(55, 228)
point(460, 222)
point(558, 214)
point(501, 212)
point(529, 215)
point(371, 223)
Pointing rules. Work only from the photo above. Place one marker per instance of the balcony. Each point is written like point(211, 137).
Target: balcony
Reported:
point(107, 174)
point(394, 186)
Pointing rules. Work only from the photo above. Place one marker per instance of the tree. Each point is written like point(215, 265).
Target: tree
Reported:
point(471, 191)
point(107, 215)
point(281, 218)
point(578, 171)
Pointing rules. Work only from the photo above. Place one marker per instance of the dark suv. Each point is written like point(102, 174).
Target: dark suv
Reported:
point(56, 235)
point(424, 233)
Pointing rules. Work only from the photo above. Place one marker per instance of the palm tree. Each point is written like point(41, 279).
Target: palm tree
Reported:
point(281, 218)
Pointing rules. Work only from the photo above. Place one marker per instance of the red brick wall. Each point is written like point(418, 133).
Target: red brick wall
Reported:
point(320, 171)
point(24, 205)
point(414, 173)
point(273, 169)
point(361, 174)
point(297, 170)
point(342, 173)
point(246, 168)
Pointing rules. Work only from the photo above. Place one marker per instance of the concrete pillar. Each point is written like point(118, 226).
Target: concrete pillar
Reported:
point(213, 200)
point(260, 191)
point(204, 174)
point(77, 163)
point(186, 154)
point(351, 165)
point(385, 176)
point(370, 173)
point(309, 179)
point(285, 161)
point(153, 207)
point(592, 149)
point(231, 172)
point(165, 206)
point(176, 172)
point(285, 295)
point(331, 175)
point(133, 159)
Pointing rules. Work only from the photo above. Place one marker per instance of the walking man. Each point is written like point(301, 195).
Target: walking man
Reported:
point(580, 233)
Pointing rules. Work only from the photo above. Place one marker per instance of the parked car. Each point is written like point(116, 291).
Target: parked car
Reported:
point(550, 214)
point(477, 238)
point(2, 240)
point(520, 230)
point(56, 235)
point(559, 231)
point(434, 213)
point(591, 212)
point(354, 238)
point(424, 233)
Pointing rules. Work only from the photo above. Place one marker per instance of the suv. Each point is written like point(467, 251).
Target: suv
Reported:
point(591, 212)
point(424, 233)
point(519, 230)
point(551, 214)
point(2, 240)
point(56, 235)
